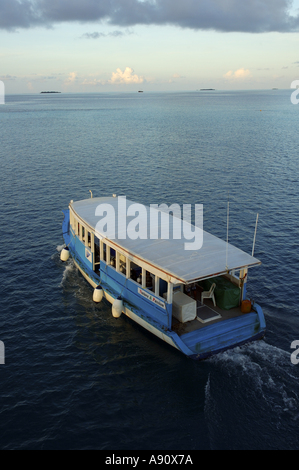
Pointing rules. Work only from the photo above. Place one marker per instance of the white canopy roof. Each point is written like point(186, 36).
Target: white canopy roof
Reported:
point(169, 256)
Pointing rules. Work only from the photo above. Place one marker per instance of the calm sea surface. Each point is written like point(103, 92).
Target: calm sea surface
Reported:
point(74, 377)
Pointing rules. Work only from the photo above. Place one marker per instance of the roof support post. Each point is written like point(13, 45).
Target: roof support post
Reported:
point(101, 250)
point(117, 263)
point(108, 254)
point(143, 278)
point(128, 268)
point(243, 282)
point(169, 293)
point(92, 250)
point(157, 285)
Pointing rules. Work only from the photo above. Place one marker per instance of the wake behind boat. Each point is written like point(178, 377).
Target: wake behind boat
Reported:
point(193, 300)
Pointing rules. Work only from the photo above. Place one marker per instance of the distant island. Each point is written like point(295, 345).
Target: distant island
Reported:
point(207, 89)
point(42, 92)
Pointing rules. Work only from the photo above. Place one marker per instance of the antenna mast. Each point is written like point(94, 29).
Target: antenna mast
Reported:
point(257, 219)
point(227, 230)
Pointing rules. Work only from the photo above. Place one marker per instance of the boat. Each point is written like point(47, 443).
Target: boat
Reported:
point(195, 300)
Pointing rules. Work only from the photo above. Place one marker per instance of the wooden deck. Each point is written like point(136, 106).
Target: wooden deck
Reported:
point(208, 315)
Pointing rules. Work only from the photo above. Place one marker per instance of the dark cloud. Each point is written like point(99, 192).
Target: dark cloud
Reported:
point(255, 16)
point(7, 77)
point(96, 35)
point(14, 13)
point(74, 10)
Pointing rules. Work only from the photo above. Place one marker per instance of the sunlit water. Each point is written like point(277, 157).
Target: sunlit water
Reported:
point(77, 378)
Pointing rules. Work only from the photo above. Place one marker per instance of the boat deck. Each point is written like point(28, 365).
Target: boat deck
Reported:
point(207, 314)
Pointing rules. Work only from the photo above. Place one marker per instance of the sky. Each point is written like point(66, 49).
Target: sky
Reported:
point(151, 45)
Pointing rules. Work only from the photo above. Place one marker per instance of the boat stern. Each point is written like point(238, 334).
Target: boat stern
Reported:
point(224, 335)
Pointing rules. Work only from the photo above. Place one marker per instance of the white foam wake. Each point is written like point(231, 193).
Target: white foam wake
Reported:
point(252, 392)
point(67, 270)
point(59, 248)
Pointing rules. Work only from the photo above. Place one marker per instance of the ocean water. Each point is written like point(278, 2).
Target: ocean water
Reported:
point(74, 377)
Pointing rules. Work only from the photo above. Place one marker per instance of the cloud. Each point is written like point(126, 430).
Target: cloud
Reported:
point(33, 77)
point(240, 74)
point(14, 13)
point(175, 77)
point(255, 16)
point(125, 77)
point(93, 82)
point(7, 77)
point(73, 76)
point(96, 35)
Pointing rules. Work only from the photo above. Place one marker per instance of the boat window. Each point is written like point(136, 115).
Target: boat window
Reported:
point(136, 271)
point(142, 277)
point(121, 263)
point(115, 259)
point(112, 257)
point(83, 233)
point(149, 281)
point(123, 266)
point(163, 287)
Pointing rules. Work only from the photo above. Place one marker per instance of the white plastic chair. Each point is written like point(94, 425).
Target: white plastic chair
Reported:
point(209, 294)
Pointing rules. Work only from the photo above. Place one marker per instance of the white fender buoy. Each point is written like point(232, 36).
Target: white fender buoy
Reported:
point(65, 254)
point(117, 307)
point(98, 294)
